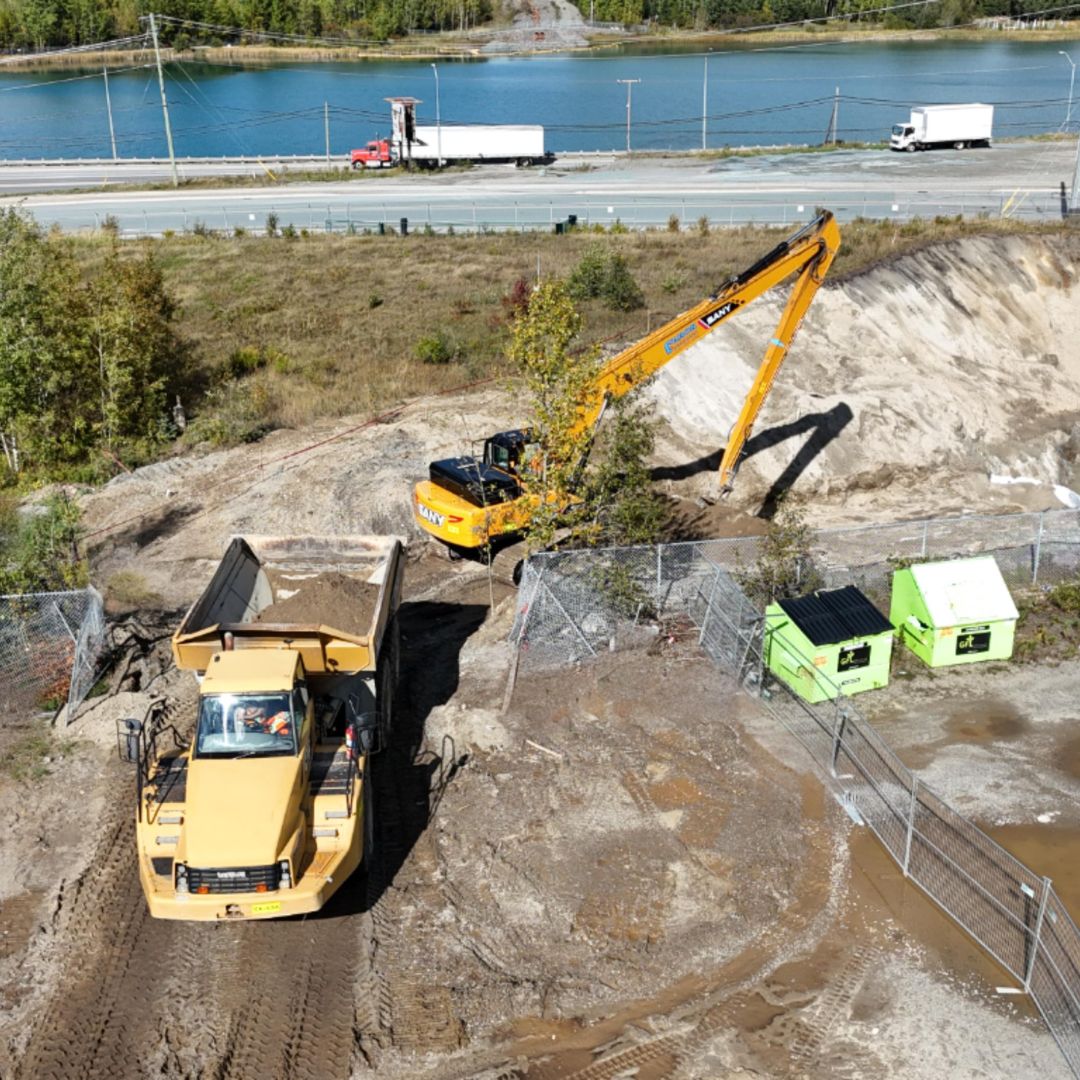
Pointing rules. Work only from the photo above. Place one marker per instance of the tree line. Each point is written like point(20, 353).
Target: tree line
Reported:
point(87, 361)
point(732, 14)
point(41, 24)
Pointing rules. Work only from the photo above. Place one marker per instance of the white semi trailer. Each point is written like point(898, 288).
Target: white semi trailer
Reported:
point(958, 126)
point(517, 144)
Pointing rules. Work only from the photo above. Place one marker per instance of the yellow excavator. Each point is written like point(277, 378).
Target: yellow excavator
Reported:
point(470, 503)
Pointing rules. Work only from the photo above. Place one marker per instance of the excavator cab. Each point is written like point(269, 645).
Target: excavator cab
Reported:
point(491, 479)
point(506, 450)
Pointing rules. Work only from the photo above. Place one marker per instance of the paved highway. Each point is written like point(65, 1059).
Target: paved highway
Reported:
point(1021, 179)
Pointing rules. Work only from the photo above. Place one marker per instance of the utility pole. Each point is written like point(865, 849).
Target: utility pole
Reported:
point(108, 109)
point(629, 84)
point(326, 127)
point(164, 101)
point(705, 103)
point(830, 135)
point(438, 120)
point(1072, 83)
point(1074, 201)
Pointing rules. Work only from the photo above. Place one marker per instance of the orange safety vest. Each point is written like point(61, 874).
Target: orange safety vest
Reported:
point(278, 724)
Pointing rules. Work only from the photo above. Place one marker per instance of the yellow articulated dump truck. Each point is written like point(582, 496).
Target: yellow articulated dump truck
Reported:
point(268, 809)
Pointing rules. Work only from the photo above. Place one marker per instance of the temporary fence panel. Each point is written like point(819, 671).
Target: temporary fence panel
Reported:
point(50, 644)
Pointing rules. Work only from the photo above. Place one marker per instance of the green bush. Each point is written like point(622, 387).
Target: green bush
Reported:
point(1066, 597)
point(604, 273)
point(437, 348)
point(251, 358)
point(39, 547)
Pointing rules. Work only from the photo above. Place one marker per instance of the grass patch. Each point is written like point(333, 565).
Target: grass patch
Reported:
point(288, 331)
point(30, 752)
point(1049, 624)
point(129, 589)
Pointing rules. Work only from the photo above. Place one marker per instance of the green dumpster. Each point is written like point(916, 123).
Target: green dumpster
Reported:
point(828, 643)
point(954, 612)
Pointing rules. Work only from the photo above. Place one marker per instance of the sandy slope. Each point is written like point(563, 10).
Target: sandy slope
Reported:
point(934, 372)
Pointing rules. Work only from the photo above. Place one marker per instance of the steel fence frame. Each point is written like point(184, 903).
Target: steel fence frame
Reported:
point(566, 613)
point(50, 645)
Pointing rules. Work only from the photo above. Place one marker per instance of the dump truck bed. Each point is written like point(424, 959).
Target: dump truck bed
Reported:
point(328, 597)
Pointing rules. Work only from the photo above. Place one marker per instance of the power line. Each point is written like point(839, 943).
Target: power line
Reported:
point(71, 78)
point(48, 54)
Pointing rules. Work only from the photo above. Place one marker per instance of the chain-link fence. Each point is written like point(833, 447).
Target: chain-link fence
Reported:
point(573, 605)
point(50, 645)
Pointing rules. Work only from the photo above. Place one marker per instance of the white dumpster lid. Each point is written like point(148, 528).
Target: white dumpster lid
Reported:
point(964, 591)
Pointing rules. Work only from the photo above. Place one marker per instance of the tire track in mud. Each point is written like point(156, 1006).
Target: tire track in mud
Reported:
point(414, 1009)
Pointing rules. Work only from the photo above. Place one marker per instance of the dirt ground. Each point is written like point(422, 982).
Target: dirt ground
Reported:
point(622, 870)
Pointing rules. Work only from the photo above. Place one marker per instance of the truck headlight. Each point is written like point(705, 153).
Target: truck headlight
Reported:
point(181, 878)
point(286, 879)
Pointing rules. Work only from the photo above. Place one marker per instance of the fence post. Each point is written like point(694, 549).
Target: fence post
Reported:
point(1035, 937)
point(925, 537)
point(838, 735)
point(911, 822)
point(708, 606)
point(1038, 550)
point(659, 576)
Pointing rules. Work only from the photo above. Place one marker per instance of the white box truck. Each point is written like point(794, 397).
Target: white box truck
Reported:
point(958, 126)
point(517, 144)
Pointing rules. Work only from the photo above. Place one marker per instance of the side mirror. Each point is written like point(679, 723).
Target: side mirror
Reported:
point(128, 738)
point(367, 732)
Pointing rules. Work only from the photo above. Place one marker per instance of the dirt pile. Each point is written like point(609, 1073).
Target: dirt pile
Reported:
point(920, 387)
point(331, 599)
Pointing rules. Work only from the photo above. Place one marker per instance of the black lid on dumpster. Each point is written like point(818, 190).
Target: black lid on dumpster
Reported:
point(827, 618)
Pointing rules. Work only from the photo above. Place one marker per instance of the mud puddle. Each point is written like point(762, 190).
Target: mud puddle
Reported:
point(882, 890)
point(1051, 851)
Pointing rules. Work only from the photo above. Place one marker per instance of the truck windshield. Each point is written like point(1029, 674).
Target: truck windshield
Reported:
point(899, 129)
point(245, 725)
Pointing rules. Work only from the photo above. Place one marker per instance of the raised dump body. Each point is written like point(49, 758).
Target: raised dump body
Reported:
point(269, 808)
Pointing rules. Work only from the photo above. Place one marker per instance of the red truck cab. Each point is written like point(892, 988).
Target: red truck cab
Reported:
point(373, 156)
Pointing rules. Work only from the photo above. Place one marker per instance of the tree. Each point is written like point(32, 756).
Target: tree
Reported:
point(618, 498)
point(610, 500)
point(784, 566)
point(561, 388)
point(83, 362)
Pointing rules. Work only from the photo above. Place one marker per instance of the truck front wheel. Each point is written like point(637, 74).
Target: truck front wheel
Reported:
point(911, 148)
point(959, 145)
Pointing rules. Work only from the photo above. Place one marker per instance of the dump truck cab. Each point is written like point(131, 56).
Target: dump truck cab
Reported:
point(268, 808)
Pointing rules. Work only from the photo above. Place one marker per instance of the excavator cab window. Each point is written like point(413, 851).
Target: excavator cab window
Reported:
point(503, 451)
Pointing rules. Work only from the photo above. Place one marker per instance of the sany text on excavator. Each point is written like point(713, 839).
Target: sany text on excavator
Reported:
point(468, 503)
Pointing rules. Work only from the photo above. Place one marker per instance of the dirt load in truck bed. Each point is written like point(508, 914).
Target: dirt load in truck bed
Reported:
point(328, 599)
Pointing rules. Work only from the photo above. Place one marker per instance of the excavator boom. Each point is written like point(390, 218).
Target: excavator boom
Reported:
point(468, 503)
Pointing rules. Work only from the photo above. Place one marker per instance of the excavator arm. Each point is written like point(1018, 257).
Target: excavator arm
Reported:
point(469, 503)
point(807, 253)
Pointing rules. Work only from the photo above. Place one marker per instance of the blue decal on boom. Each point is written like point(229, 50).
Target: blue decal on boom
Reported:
point(680, 336)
